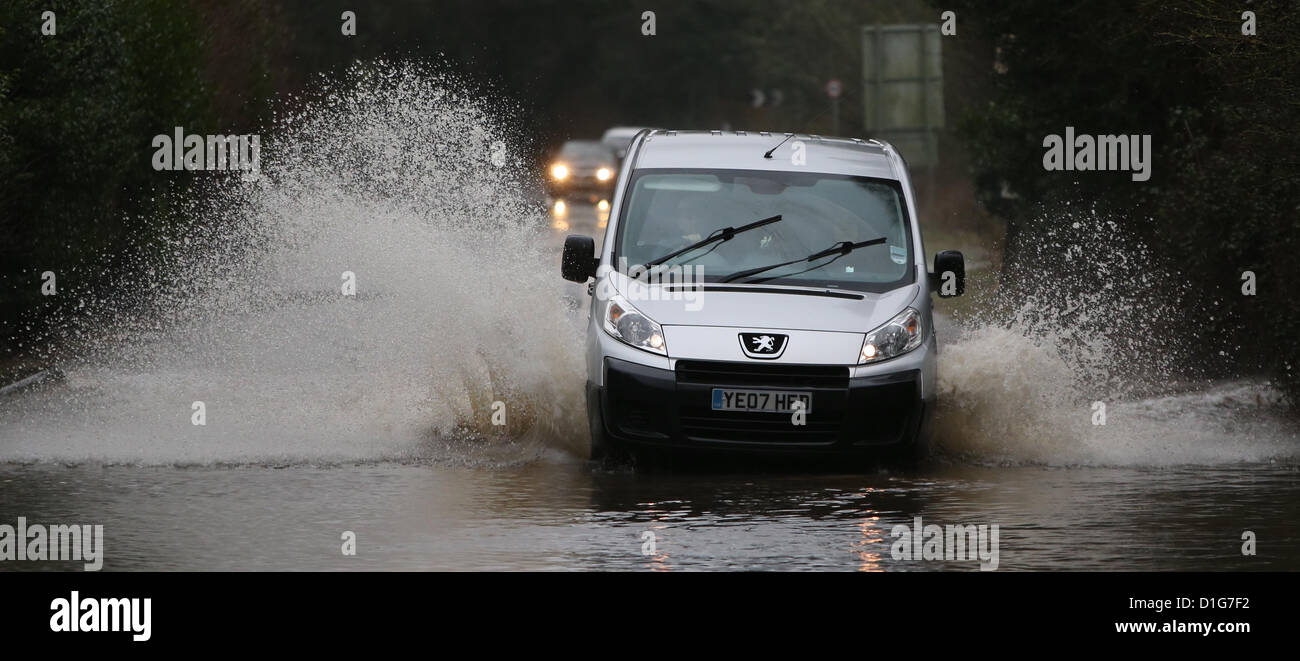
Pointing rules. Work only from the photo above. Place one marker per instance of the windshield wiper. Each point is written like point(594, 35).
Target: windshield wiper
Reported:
point(838, 250)
point(724, 234)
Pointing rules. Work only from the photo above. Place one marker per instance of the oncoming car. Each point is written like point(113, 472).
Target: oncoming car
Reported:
point(582, 166)
point(761, 293)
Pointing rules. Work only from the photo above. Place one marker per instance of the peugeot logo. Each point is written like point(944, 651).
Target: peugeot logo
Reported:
point(763, 346)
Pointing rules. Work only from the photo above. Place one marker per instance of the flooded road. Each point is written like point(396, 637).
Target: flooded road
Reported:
point(566, 515)
point(328, 358)
point(1171, 483)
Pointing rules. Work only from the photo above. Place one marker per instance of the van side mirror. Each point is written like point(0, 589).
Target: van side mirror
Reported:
point(949, 277)
point(578, 262)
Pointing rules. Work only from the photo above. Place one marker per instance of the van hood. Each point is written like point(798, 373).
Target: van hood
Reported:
point(763, 306)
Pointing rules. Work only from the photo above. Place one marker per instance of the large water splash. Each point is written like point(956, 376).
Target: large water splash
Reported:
point(1084, 359)
point(397, 177)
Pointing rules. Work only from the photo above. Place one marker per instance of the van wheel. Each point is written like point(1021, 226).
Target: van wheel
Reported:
point(911, 455)
point(599, 442)
point(918, 451)
point(602, 447)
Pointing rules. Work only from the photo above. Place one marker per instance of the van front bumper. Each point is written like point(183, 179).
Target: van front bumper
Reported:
point(651, 407)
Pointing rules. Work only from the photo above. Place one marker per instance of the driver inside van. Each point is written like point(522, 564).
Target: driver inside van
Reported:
point(696, 216)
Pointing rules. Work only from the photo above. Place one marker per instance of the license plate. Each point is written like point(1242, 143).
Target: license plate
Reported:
point(769, 401)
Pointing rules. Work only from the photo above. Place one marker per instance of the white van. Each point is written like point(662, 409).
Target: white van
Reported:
point(761, 293)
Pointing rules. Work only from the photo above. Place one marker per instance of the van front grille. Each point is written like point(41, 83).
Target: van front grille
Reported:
point(774, 375)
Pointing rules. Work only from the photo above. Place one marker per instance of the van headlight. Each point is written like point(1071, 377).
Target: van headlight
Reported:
point(896, 337)
point(626, 324)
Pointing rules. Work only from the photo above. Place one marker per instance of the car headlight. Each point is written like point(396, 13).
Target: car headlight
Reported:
point(626, 324)
point(559, 171)
point(896, 337)
point(603, 174)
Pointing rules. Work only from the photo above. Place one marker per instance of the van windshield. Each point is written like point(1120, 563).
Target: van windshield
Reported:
point(668, 210)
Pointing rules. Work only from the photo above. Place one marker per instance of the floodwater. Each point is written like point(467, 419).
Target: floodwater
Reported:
point(1174, 490)
point(567, 515)
point(240, 409)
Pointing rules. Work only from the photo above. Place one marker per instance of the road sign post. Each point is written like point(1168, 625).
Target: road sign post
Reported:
point(833, 90)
